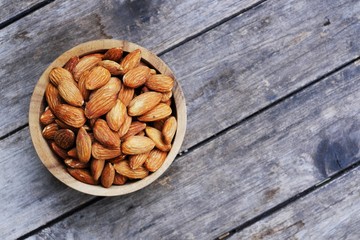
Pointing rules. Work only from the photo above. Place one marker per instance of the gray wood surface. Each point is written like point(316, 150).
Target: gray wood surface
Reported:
point(238, 175)
point(9, 9)
point(332, 212)
point(30, 44)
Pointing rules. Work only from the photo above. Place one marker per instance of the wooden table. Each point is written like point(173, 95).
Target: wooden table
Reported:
point(272, 145)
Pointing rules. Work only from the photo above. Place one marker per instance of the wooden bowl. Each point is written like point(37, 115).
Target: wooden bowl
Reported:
point(37, 104)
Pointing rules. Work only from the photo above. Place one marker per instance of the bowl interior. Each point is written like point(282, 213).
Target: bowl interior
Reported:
point(37, 104)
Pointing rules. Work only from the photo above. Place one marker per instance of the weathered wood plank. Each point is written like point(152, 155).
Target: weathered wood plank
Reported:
point(332, 212)
point(29, 45)
point(9, 9)
point(240, 174)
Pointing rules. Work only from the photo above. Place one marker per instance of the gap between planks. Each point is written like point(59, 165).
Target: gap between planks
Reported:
point(222, 132)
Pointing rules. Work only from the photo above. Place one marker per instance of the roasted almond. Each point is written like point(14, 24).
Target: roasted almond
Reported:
point(124, 169)
point(137, 145)
point(166, 96)
point(52, 96)
point(64, 138)
point(159, 112)
point(58, 75)
point(136, 77)
point(81, 85)
point(70, 65)
point(85, 63)
point(113, 54)
point(96, 167)
point(142, 133)
point(107, 176)
point(70, 115)
point(132, 60)
point(75, 163)
point(49, 131)
point(70, 93)
point(155, 160)
point(113, 67)
point(105, 135)
point(72, 153)
point(47, 117)
point(160, 83)
point(136, 161)
point(83, 145)
point(101, 152)
point(134, 129)
point(159, 124)
point(169, 129)
point(126, 94)
point(58, 150)
point(116, 116)
point(125, 126)
point(153, 71)
point(82, 175)
point(97, 78)
point(64, 125)
point(168, 102)
point(119, 179)
point(156, 136)
point(98, 55)
point(117, 159)
point(144, 103)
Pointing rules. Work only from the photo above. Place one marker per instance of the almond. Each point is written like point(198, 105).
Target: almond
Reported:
point(49, 131)
point(160, 83)
point(134, 129)
point(117, 159)
point(85, 63)
point(136, 161)
point(82, 175)
point(70, 115)
point(52, 96)
point(97, 78)
point(103, 99)
point(126, 94)
point(159, 124)
point(144, 89)
point(142, 133)
point(156, 136)
point(113, 67)
point(155, 160)
point(64, 125)
point(159, 112)
point(75, 163)
point(58, 75)
point(97, 166)
point(124, 169)
point(113, 54)
point(98, 55)
point(47, 117)
point(119, 179)
point(58, 150)
point(81, 85)
point(168, 102)
point(72, 153)
point(166, 96)
point(107, 176)
point(64, 138)
point(137, 145)
point(70, 93)
point(169, 129)
point(101, 152)
point(153, 71)
point(116, 116)
point(70, 65)
point(136, 77)
point(144, 103)
point(105, 135)
point(132, 60)
point(83, 145)
point(125, 126)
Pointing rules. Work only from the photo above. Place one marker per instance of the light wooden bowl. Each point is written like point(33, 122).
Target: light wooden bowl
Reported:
point(51, 161)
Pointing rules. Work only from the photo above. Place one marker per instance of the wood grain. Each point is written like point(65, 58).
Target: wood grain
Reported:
point(42, 36)
point(240, 174)
point(332, 212)
point(10, 9)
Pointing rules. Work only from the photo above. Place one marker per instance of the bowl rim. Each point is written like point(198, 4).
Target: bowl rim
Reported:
point(50, 160)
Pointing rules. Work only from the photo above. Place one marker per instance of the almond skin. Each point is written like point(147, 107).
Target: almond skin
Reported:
point(160, 83)
point(58, 75)
point(113, 54)
point(116, 116)
point(98, 151)
point(166, 96)
point(64, 125)
point(52, 96)
point(124, 169)
point(75, 163)
point(58, 150)
point(144, 103)
point(96, 167)
point(97, 78)
point(125, 126)
point(156, 136)
point(136, 161)
point(155, 160)
point(132, 60)
point(81, 85)
point(119, 179)
point(70, 65)
point(72, 153)
point(49, 131)
point(169, 129)
point(113, 67)
point(159, 124)
point(70, 115)
point(134, 129)
point(117, 159)
point(136, 77)
point(83, 145)
point(108, 175)
point(47, 117)
point(126, 94)
point(159, 112)
point(64, 138)
point(82, 175)
point(70, 93)
point(137, 145)
point(85, 63)
point(105, 135)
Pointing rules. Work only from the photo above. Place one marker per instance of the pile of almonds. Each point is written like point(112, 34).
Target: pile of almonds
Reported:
point(109, 117)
